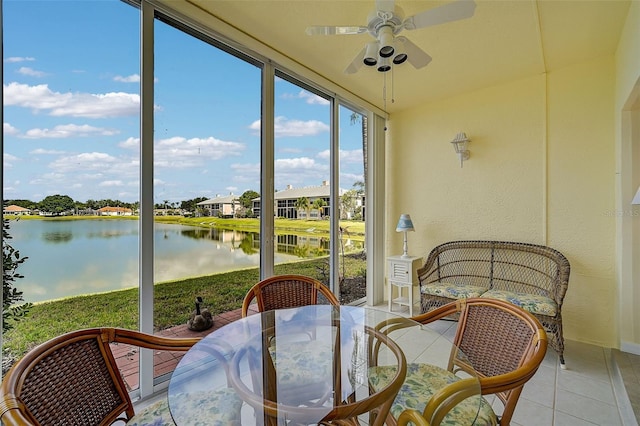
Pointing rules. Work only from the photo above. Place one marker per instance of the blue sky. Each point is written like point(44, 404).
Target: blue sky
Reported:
point(71, 111)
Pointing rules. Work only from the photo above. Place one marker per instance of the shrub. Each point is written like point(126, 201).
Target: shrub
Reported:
point(11, 260)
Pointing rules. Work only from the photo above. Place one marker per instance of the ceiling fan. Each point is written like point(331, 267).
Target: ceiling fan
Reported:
point(385, 24)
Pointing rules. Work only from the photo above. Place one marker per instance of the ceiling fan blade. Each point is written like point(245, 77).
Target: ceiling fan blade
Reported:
point(415, 56)
point(355, 65)
point(459, 9)
point(324, 30)
point(385, 5)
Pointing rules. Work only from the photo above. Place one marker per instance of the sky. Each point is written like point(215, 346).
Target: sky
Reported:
point(71, 111)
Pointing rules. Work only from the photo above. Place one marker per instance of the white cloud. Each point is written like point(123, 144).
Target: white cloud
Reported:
point(290, 150)
point(132, 143)
point(246, 172)
point(31, 72)
point(346, 156)
point(41, 98)
point(133, 78)
point(351, 177)
point(294, 128)
point(15, 59)
point(41, 151)
point(312, 99)
point(87, 161)
point(111, 183)
point(232, 189)
point(180, 152)
point(8, 129)
point(47, 179)
point(302, 163)
point(69, 131)
point(308, 97)
point(8, 160)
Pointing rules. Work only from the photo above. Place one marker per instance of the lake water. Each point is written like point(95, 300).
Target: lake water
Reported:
point(68, 258)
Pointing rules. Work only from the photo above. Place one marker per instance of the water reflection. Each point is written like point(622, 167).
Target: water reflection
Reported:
point(302, 246)
point(100, 255)
point(57, 237)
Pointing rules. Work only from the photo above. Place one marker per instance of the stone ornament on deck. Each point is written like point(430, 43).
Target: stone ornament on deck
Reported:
point(201, 319)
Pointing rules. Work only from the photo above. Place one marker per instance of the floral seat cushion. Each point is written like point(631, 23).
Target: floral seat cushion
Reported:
point(305, 369)
point(307, 362)
point(535, 304)
point(422, 381)
point(452, 290)
point(219, 408)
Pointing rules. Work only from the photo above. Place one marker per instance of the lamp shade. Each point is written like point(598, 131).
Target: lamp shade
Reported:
point(636, 199)
point(404, 224)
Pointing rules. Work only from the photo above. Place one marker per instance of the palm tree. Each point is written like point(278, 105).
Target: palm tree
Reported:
point(303, 203)
point(318, 204)
point(355, 117)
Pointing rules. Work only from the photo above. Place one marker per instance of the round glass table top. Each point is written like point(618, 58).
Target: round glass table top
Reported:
point(306, 365)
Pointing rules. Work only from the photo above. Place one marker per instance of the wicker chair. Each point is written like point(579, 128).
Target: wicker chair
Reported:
point(73, 379)
point(290, 291)
point(534, 277)
point(287, 291)
point(502, 344)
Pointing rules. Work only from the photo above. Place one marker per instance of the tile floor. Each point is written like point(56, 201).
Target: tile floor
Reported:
point(591, 391)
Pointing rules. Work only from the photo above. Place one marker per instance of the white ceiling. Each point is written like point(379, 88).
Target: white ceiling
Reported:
point(503, 41)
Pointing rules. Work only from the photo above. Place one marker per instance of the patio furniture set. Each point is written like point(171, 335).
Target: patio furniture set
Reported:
point(304, 359)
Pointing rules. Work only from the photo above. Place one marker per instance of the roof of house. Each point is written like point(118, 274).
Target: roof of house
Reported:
point(14, 208)
point(320, 191)
point(114, 209)
point(226, 199)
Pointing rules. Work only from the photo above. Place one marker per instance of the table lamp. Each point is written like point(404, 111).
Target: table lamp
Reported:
point(405, 225)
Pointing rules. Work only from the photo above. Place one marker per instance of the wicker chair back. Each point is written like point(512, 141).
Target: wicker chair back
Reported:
point(287, 291)
point(73, 379)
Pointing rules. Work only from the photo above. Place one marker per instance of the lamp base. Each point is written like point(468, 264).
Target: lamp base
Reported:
point(405, 247)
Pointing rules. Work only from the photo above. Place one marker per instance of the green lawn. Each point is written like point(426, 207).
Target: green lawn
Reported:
point(174, 303)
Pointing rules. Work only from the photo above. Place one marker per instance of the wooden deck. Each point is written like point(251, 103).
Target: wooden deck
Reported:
point(165, 362)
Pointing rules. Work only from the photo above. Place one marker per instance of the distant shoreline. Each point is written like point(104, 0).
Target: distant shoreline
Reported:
point(354, 229)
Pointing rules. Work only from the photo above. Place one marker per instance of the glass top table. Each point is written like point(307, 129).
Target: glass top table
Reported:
point(306, 365)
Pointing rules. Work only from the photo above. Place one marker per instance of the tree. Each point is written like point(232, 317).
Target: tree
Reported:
point(348, 204)
point(57, 204)
point(355, 118)
point(318, 204)
point(246, 199)
point(303, 203)
point(191, 205)
point(11, 260)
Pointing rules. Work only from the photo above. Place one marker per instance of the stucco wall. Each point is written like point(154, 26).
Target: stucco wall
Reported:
point(581, 195)
point(627, 119)
point(542, 170)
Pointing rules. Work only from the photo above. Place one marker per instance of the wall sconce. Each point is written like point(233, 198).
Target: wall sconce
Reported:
point(405, 224)
point(460, 144)
point(636, 199)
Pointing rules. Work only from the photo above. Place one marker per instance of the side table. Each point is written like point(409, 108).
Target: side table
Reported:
point(401, 274)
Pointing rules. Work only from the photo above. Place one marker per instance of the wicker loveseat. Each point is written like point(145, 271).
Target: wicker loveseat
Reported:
point(531, 276)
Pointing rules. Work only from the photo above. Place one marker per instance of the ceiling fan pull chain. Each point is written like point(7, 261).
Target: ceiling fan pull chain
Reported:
point(384, 91)
point(393, 79)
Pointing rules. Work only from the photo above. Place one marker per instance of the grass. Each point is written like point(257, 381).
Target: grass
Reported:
point(173, 301)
